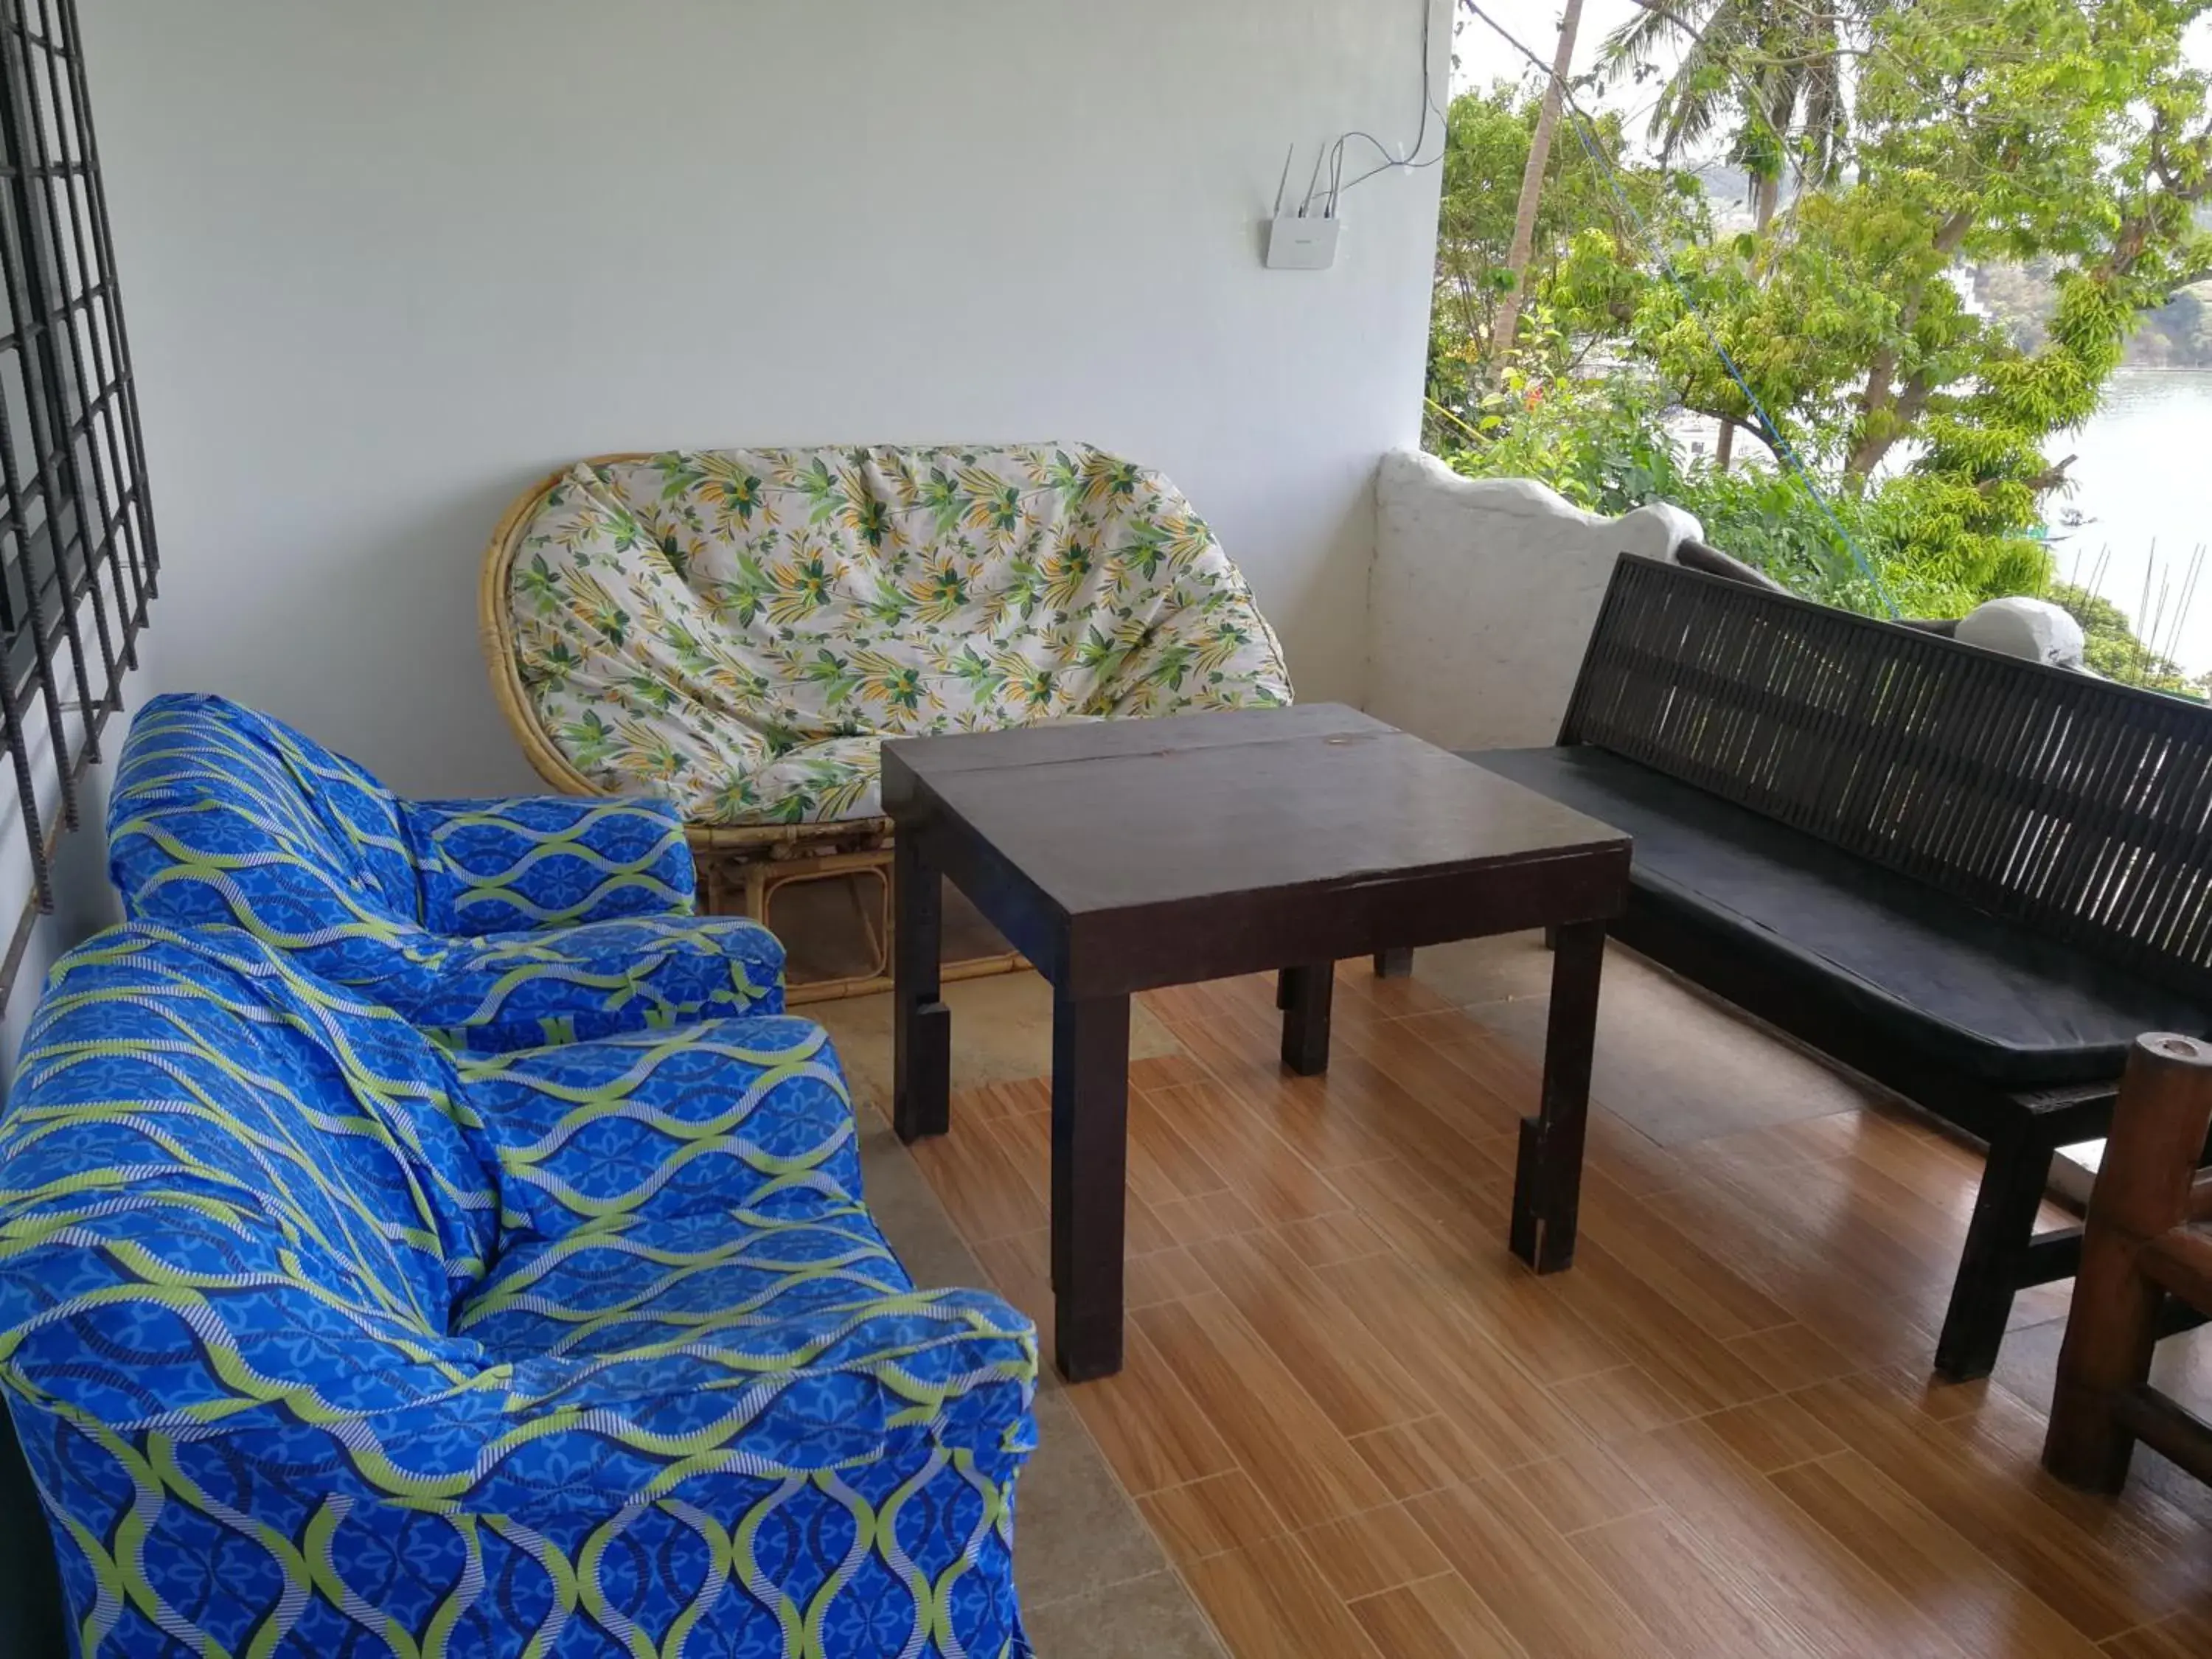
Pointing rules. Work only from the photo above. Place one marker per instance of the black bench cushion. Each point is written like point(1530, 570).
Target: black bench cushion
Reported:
point(1966, 989)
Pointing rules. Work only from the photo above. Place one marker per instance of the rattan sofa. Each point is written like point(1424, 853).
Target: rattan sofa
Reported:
point(739, 630)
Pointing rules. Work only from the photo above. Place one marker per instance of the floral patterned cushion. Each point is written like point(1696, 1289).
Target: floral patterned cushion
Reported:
point(738, 628)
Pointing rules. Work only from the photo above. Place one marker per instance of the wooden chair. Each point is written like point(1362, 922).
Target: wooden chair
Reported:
point(2146, 1269)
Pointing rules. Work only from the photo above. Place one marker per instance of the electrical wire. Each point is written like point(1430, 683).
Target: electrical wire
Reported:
point(1583, 126)
point(1392, 162)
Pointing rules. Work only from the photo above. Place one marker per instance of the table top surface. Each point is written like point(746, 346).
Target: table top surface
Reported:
point(1114, 814)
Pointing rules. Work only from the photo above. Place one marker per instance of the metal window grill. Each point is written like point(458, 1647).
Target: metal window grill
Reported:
point(77, 557)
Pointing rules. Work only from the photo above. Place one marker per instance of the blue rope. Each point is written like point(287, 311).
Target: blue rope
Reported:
point(1770, 430)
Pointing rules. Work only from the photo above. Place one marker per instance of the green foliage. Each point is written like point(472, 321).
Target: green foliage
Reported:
point(1601, 442)
point(2071, 135)
point(2113, 649)
point(1489, 137)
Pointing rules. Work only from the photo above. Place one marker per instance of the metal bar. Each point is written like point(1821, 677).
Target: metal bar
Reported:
point(65, 424)
point(26, 275)
point(144, 547)
point(91, 507)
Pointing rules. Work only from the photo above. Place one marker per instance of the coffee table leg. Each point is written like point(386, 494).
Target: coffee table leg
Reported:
point(921, 1041)
point(1394, 964)
point(1548, 1182)
point(1090, 1163)
point(1304, 993)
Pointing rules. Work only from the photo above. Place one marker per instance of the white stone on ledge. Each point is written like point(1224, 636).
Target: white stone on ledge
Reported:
point(1483, 597)
point(2034, 629)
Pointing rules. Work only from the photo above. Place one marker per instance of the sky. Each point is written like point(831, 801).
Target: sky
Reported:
point(1483, 57)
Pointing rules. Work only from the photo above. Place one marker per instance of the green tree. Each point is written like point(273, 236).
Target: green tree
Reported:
point(1487, 145)
point(2111, 649)
point(1531, 179)
point(2072, 131)
point(1774, 68)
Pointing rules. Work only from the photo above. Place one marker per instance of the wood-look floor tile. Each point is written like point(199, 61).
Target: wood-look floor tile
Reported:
point(1675, 1267)
point(1411, 1458)
point(1269, 1601)
point(1502, 1410)
point(1822, 1289)
point(1619, 1403)
point(980, 1183)
point(2102, 1583)
point(1586, 1488)
point(1280, 1437)
point(1164, 1166)
point(1221, 1512)
point(1367, 993)
point(1322, 1240)
point(1792, 1356)
point(1361, 1428)
point(1441, 1235)
point(2186, 1635)
point(1428, 1108)
point(1258, 1164)
point(1162, 1276)
point(1837, 1603)
point(1944, 1173)
point(1786, 1145)
point(1816, 1202)
point(1374, 1551)
point(1143, 1420)
point(1693, 1608)
point(1917, 1388)
point(1490, 1060)
point(1163, 1071)
point(1195, 1220)
point(1551, 1601)
point(2149, 1537)
point(1355, 1381)
point(1663, 1340)
point(1986, 1613)
point(1772, 1434)
point(1032, 1095)
point(1439, 1618)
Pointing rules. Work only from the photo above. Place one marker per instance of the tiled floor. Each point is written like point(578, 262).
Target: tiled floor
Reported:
point(1357, 1427)
point(1093, 1579)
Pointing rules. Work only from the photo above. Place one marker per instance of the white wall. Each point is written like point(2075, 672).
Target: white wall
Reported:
point(84, 900)
point(385, 264)
point(1485, 594)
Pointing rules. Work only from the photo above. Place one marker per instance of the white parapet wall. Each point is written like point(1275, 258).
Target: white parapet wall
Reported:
point(1484, 594)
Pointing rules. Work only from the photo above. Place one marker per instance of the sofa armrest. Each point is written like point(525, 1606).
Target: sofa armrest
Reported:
point(853, 1468)
point(506, 866)
point(585, 1134)
point(595, 980)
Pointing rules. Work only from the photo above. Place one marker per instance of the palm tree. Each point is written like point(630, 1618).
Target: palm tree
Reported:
point(1775, 65)
point(1532, 182)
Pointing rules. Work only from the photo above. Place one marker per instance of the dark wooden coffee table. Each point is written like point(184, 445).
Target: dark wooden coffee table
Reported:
point(1128, 854)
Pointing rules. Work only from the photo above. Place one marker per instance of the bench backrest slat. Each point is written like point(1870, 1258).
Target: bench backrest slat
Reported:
point(2078, 806)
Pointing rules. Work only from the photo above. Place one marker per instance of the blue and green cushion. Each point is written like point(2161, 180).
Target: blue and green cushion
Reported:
point(493, 924)
point(322, 1340)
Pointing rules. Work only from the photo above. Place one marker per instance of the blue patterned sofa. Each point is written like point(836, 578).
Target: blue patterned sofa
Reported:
point(322, 1340)
point(492, 924)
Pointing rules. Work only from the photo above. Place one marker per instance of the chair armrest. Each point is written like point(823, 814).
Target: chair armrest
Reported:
point(505, 867)
point(596, 981)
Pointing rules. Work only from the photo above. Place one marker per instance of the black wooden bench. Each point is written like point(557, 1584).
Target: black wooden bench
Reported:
point(1972, 878)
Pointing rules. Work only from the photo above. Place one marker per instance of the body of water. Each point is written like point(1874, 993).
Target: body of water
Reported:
point(2143, 477)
